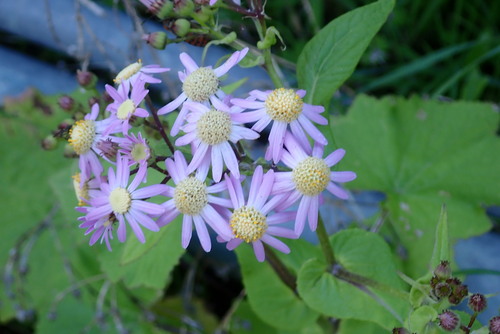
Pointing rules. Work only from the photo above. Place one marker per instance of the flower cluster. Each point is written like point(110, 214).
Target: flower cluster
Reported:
point(213, 124)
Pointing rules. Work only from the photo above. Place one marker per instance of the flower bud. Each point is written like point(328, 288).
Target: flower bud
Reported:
point(495, 325)
point(49, 143)
point(477, 302)
point(69, 151)
point(181, 27)
point(442, 290)
point(184, 8)
point(165, 9)
point(161, 8)
point(66, 103)
point(158, 39)
point(459, 292)
point(443, 270)
point(66, 124)
point(93, 100)
point(86, 79)
point(400, 330)
point(448, 321)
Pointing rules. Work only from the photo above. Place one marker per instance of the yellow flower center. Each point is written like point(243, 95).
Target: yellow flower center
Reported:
point(214, 127)
point(201, 84)
point(248, 224)
point(125, 109)
point(80, 192)
point(311, 176)
point(139, 152)
point(128, 72)
point(82, 135)
point(120, 200)
point(284, 105)
point(190, 196)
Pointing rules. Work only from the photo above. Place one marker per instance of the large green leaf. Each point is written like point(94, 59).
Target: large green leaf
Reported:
point(362, 253)
point(153, 268)
point(332, 55)
point(424, 154)
point(273, 301)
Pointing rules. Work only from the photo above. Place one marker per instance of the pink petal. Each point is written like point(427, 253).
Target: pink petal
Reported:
point(334, 157)
point(202, 232)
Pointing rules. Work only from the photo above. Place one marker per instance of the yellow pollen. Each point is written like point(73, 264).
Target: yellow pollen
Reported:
point(120, 200)
point(248, 224)
point(125, 109)
point(81, 135)
point(214, 127)
point(139, 152)
point(311, 176)
point(80, 192)
point(128, 72)
point(201, 84)
point(190, 196)
point(284, 105)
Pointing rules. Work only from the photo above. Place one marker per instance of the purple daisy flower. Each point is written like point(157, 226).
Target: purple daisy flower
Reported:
point(82, 190)
point(249, 220)
point(126, 104)
point(102, 229)
point(283, 107)
point(195, 201)
point(309, 177)
point(123, 201)
point(201, 84)
point(85, 136)
point(209, 131)
point(136, 149)
point(137, 71)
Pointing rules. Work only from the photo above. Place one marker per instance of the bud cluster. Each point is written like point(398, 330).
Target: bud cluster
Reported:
point(445, 286)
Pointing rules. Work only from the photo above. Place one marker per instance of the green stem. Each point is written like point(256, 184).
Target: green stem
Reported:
point(324, 242)
point(280, 269)
point(268, 60)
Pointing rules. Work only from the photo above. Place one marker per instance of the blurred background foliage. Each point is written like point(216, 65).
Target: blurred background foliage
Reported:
point(439, 48)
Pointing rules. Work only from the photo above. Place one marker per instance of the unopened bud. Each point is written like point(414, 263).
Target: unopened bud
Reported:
point(181, 27)
point(108, 148)
point(66, 103)
point(67, 123)
point(443, 270)
point(49, 143)
point(184, 8)
point(203, 14)
point(164, 9)
point(86, 79)
point(442, 290)
point(495, 325)
point(477, 302)
point(448, 321)
point(158, 39)
point(69, 152)
point(93, 100)
point(400, 330)
point(459, 292)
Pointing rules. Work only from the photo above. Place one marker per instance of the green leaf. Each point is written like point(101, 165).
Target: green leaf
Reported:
point(153, 267)
point(301, 251)
point(331, 56)
point(420, 318)
point(362, 253)
point(424, 154)
point(349, 326)
point(270, 298)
